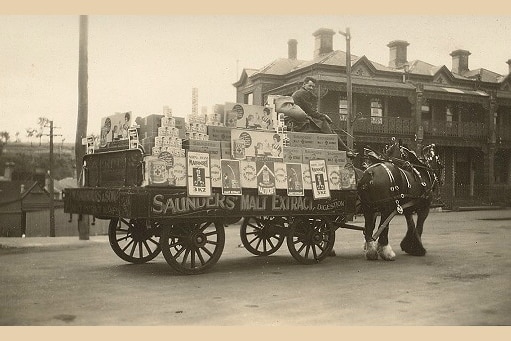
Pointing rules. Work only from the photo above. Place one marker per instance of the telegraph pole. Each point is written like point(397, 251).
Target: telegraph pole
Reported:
point(83, 112)
point(52, 204)
point(51, 188)
point(349, 120)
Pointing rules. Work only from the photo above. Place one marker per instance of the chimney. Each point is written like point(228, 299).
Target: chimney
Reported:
point(509, 63)
point(291, 49)
point(324, 41)
point(459, 61)
point(9, 168)
point(397, 52)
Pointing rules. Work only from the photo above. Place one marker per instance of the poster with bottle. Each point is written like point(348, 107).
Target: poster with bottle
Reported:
point(231, 177)
point(319, 180)
point(199, 175)
point(133, 138)
point(294, 180)
point(265, 178)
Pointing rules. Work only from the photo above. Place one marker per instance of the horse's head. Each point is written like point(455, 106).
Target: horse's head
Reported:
point(394, 149)
point(430, 155)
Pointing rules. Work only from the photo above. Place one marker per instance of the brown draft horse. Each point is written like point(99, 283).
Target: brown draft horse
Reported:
point(397, 182)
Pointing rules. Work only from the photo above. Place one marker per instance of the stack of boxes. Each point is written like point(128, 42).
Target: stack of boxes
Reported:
point(258, 150)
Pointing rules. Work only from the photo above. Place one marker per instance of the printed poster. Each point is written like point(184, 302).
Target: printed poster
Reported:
point(294, 180)
point(231, 177)
point(265, 178)
point(199, 174)
point(319, 180)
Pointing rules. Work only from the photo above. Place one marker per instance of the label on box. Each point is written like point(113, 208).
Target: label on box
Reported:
point(217, 133)
point(302, 140)
point(348, 180)
point(216, 173)
point(201, 146)
point(280, 175)
point(327, 141)
point(231, 177)
point(248, 174)
point(336, 157)
point(259, 143)
point(225, 149)
point(265, 178)
point(248, 116)
point(334, 176)
point(319, 179)
point(314, 154)
point(306, 176)
point(294, 179)
point(293, 154)
point(199, 176)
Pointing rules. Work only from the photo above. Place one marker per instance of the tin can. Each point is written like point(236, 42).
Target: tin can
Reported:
point(157, 172)
point(238, 149)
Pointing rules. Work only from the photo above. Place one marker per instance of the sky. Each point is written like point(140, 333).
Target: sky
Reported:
point(141, 63)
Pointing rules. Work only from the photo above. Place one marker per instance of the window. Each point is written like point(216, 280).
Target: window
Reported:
point(376, 111)
point(343, 108)
point(448, 116)
point(249, 98)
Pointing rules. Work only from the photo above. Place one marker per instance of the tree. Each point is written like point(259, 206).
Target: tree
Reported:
point(31, 132)
point(42, 122)
point(4, 137)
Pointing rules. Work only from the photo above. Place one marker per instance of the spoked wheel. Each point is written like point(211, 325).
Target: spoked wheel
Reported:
point(262, 236)
point(310, 239)
point(192, 248)
point(135, 240)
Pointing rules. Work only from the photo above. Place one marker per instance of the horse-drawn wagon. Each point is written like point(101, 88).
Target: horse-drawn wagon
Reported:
point(189, 231)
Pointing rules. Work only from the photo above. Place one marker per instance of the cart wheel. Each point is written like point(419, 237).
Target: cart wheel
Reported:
point(262, 236)
point(135, 240)
point(192, 248)
point(310, 239)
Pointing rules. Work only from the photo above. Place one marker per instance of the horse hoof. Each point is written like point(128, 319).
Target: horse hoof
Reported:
point(386, 252)
point(370, 251)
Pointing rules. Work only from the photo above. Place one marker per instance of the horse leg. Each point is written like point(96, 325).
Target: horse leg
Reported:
point(412, 243)
point(370, 244)
point(384, 249)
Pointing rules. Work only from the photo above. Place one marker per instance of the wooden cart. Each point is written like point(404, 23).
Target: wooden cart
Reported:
point(189, 231)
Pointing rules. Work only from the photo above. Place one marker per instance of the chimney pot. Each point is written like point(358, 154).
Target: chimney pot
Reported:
point(509, 63)
point(323, 42)
point(292, 52)
point(459, 61)
point(398, 53)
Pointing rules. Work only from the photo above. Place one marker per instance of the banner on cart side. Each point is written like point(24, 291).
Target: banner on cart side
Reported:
point(176, 204)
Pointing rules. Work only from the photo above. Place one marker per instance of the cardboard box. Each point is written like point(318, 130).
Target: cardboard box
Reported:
point(259, 143)
point(336, 157)
point(302, 140)
point(248, 116)
point(201, 146)
point(293, 154)
point(327, 141)
point(217, 133)
point(314, 154)
point(225, 149)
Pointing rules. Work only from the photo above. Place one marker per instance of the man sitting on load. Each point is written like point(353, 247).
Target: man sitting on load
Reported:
point(304, 117)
